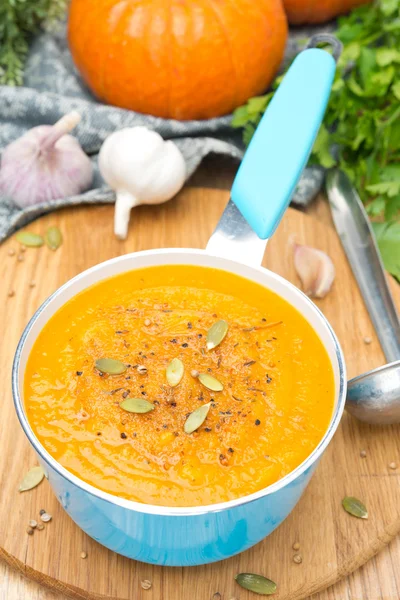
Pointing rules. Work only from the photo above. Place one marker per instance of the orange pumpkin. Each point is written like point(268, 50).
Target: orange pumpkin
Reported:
point(318, 11)
point(181, 59)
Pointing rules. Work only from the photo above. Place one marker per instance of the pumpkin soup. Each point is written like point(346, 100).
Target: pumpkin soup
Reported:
point(179, 386)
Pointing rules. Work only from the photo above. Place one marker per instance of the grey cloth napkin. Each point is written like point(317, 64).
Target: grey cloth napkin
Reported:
point(52, 87)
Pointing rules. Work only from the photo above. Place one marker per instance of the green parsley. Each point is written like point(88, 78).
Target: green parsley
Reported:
point(19, 19)
point(362, 122)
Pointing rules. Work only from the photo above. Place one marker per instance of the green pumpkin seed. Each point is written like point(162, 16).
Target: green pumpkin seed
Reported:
point(174, 372)
point(54, 238)
point(216, 334)
point(355, 507)
point(33, 240)
point(196, 418)
point(210, 382)
point(137, 405)
point(110, 366)
point(31, 479)
point(256, 583)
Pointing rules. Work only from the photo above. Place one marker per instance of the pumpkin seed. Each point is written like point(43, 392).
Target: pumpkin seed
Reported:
point(174, 372)
point(210, 382)
point(54, 238)
point(216, 334)
point(32, 240)
point(110, 366)
point(196, 418)
point(354, 507)
point(256, 583)
point(137, 405)
point(31, 479)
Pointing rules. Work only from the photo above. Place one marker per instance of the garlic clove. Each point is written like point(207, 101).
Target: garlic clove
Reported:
point(315, 269)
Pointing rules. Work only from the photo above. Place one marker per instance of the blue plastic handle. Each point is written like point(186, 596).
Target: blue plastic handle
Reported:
point(282, 143)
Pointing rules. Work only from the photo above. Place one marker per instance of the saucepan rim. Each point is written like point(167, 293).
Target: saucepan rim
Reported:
point(169, 511)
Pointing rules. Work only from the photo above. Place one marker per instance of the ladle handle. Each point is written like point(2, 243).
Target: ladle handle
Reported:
point(358, 240)
point(276, 156)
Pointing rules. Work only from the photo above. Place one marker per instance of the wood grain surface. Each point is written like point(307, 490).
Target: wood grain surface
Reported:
point(332, 543)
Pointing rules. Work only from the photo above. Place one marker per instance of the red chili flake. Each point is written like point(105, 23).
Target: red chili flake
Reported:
point(199, 335)
point(126, 394)
point(189, 325)
point(124, 436)
point(79, 373)
point(174, 341)
point(122, 331)
point(223, 460)
point(185, 345)
point(257, 422)
point(264, 320)
point(98, 433)
point(231, 450)
point(249, 363)
point(269, 379)
point(208, 429)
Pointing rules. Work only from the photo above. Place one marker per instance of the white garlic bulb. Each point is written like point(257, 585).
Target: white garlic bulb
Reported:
point(142, 168)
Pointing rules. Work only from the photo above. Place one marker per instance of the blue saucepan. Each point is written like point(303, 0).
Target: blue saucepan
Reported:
point(261, 192)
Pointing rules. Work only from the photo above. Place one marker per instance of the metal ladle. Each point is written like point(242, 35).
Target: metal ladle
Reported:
point(373, 397)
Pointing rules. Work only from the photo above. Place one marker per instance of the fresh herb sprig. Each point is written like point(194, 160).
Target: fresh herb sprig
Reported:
point(19, 19)
point(362, 122)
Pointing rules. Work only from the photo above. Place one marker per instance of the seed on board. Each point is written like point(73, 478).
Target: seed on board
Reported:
point(23, 248)
point(46, 517)
point(296, 546)
point(392, 465)
point(83, 554)
point(355, 507)
point(33, 240)
point(141, 369)
point(196, 418)
point(54, 238)
point(194, 373)
point(297, 558)
point(146, 584)
point(210, 382)
point(11, 293)
point(136, 405)
point(11, 252)
point(216, 596)
point(21, 258)
point(363, 454)
point(33, 523)
point(32, 284)
point(256, 583)
point(147, 322)
point(31, 479)
point(40, 527)
point(42, 511)
point(216, 334)
point(110, 366)
point(367, 341)
point(174, 372)
point(29, 530)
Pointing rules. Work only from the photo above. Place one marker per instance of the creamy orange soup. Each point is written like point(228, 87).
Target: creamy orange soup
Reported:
point(274, 408)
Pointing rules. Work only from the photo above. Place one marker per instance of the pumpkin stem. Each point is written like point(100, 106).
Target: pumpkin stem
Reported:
point(123, 205)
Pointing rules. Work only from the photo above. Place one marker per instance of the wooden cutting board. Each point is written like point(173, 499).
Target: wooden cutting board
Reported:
point(332, 543)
